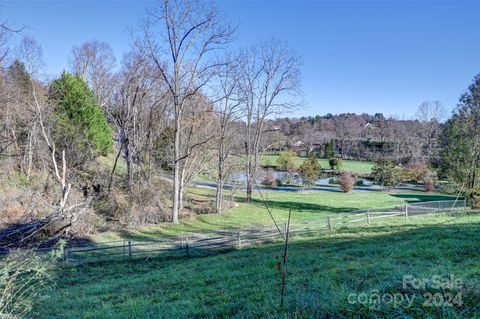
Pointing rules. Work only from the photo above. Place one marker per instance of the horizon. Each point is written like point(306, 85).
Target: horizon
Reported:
point(359, 57)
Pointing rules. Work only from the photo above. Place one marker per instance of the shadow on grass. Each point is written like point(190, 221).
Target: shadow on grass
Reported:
point(411, 198)
point(298, 206)
point(322, 272)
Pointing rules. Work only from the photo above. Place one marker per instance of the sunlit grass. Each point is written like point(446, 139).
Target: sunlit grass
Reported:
point(362, 167)
point(305, 206)
point(323, 270)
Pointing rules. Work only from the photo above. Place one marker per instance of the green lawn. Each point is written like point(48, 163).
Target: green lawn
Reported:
point(361, 167)
point(109, 161)
point(324, 271)
point(307, 205)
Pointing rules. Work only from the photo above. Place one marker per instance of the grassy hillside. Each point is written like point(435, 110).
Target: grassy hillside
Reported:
point(362, 167)
point(324, 271)
point(308, 205)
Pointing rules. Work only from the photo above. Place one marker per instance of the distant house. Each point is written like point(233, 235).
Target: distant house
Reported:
point(300, 148)
point(298, 144)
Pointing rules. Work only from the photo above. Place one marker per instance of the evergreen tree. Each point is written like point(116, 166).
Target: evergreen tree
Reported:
point(330, 150)
point(460, 157)
point(386, 172)
point(310, 169)
point(77, 111)
point(18, 75)
point(286, 160)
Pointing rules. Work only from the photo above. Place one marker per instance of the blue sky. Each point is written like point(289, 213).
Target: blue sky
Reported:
point(378, 56)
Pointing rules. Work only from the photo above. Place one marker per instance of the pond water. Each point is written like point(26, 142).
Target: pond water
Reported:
point(286, 178)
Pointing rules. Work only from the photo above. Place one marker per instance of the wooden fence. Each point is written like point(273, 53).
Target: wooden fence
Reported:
point(229, 239)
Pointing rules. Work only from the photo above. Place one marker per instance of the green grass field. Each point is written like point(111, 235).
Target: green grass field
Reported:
point(325, 271)
point(307, 205)
point(361, 167)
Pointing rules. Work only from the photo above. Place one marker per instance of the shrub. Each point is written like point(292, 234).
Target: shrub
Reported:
point(429, 181)
point(23, 276)
point(429, 185)
point(386, 172)
point(415, 172)
point(309, 170)
point(287, 179)
point(332, 162)
point(336, 163)
point(360, 182)
point(474, 195)
point(148, 204)
point(269, 180)
point(346, 182)
point(333, 181)
point(286, 160)
point(339, 164)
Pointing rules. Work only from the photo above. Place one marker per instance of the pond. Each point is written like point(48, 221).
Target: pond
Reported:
point(286, 178)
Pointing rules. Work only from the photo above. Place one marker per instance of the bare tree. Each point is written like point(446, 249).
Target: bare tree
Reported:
point(61, 216)
point(6, 32)
point(430, 111)
point(180, 38)
point(197, 139)
point(229, 110)
point(94, 62)
point(270, 84)
point(6, 138)
point(431, 114)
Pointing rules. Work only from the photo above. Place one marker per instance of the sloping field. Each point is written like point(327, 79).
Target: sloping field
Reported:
point(329, 276)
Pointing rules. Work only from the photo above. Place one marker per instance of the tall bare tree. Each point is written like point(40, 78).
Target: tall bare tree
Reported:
point(197, 140)
point(229, 108)
point(181, 37)
point(431, 114)
point(271, 86)
point(6, 139)
point(94, 62)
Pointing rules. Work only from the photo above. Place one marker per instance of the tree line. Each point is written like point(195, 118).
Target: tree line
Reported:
point(181, 99)
point(366, 137)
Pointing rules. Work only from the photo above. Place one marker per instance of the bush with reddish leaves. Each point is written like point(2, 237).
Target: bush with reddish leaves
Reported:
point(346, 182)
point(269, 180)
point(429, 181)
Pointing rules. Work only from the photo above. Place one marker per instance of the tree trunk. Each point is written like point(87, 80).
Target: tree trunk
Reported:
point(176, 172)
point(249, 189)
point(218, 194)
point(181, 190)
point(219, 189)
point(219, 197)
point(128, 158)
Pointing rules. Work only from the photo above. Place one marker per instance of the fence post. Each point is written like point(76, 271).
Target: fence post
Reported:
point(464, 203)
point(129, 248)
point(329, 225)
point(439, 207)
point(406, 211)
point(368, 217)
point(65, 255)
point(124, 249)
point(239, 240)
point(186, 245)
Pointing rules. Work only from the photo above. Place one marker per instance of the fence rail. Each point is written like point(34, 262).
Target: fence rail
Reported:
point(229, 239)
